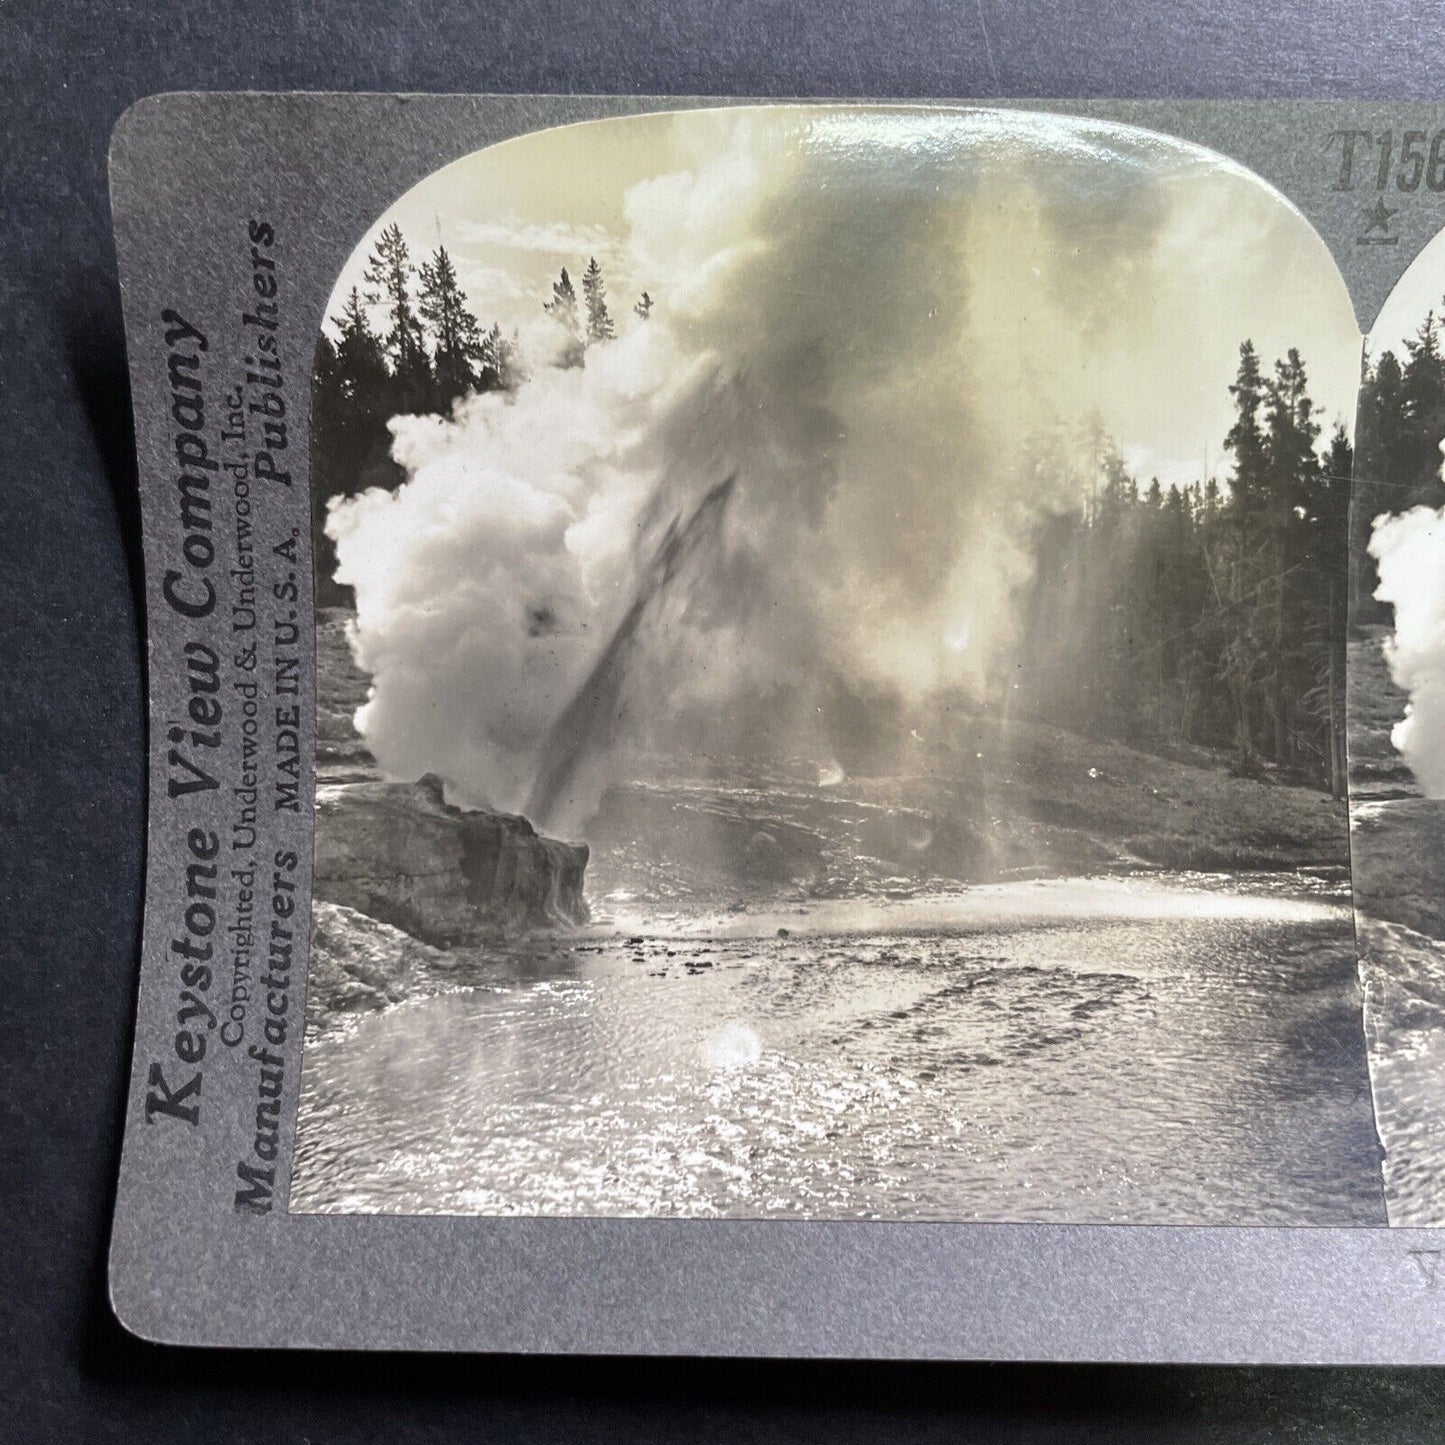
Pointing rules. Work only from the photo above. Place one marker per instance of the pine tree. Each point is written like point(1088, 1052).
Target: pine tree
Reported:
point(1291, 431)
point(1401, 418)
point(562, 308)
point(1238, 570)
point(456, 337)
point(360, 361)
point(1293, 471)
point(594, 289)
point(1335, 480)
point(1422, 398)
point(643, 307)
point(1330, 549)
point(1246, 437)
point(1416, 475)
point(1381, 462)
point(563, 305)
point(352, 400)
point(388, 273)
point(328, 414)
point(1154, 614)
point(489, 360)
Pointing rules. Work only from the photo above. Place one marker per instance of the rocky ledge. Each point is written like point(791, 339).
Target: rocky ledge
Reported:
point(398, 854)
point(401, 854)
point(358, 964)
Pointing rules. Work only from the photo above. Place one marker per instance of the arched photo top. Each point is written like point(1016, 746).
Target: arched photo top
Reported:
point(918, 295)
point(1150, 258)
point(843, 535)
point(913, 335)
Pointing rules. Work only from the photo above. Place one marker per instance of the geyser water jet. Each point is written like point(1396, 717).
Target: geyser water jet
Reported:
point(588, 725)
point(1410, 550)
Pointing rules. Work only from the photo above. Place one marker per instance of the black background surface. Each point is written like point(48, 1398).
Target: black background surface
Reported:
point(71, 805)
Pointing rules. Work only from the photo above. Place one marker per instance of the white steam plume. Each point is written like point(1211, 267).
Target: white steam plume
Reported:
point(801, 487)
point(1410, 550)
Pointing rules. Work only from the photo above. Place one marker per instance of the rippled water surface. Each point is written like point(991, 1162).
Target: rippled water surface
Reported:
point(1150, 1050)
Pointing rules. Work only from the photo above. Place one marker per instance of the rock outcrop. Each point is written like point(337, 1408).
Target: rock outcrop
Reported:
point(398, 852)
point(358, 965)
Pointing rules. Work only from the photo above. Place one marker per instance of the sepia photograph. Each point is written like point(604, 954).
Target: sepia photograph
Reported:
point(1397, 732)
point(843, 649)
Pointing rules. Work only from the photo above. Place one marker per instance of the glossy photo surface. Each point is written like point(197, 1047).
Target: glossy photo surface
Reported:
point(831, 670)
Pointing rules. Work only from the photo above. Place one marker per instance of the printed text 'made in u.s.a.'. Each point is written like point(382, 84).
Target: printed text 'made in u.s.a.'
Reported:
point(228, 699)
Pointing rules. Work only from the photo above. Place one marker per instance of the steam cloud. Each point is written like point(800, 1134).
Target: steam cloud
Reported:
point(805, 482)
point(1410, 549)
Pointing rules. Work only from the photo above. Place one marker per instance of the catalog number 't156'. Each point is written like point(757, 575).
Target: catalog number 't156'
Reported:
point(1376, 159)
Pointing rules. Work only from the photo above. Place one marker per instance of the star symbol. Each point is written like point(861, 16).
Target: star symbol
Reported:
point(1378, 216)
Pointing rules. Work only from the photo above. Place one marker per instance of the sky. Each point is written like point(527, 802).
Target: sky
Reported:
point(1229, 259)
point(513, 215)
point(1418, 292)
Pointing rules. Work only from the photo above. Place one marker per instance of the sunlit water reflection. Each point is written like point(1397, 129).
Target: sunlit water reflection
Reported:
point(1164, 1050)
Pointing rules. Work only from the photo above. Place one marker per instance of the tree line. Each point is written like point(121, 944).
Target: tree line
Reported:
point(1210, 616)
point(1401, 422)
point(427, 350)
point(1204, 615)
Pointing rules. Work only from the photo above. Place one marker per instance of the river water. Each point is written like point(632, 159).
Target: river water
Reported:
point(1160, 1049)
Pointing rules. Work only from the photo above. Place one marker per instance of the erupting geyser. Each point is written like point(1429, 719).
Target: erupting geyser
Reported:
point(801, 489)
point(1410, 550)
